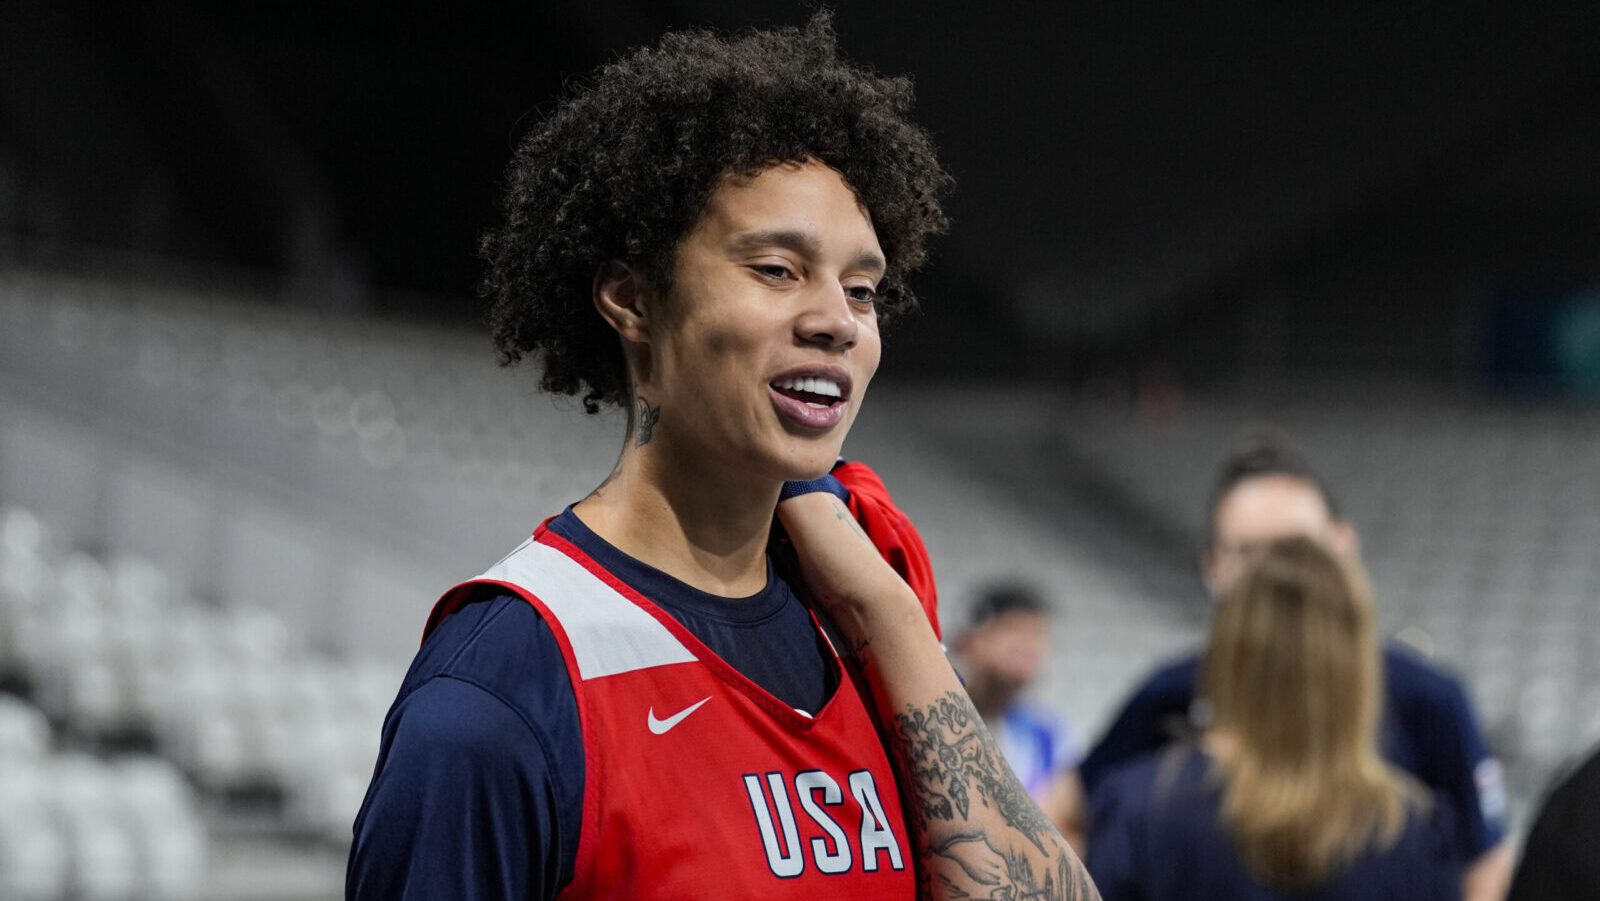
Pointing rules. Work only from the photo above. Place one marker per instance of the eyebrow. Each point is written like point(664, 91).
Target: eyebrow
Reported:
point(803, 243)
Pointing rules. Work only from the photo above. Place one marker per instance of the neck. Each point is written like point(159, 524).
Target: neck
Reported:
point(700, 524)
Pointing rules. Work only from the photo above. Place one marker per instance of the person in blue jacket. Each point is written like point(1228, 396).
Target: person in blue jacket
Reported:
point(999, 653)
point(1264, 491)
point(1284, 794)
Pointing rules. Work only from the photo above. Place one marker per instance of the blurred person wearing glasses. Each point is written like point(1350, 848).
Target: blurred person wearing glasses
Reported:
point(1265, 491)
point(1284, 794)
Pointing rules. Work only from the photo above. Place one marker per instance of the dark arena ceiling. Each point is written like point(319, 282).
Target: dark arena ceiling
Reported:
point(1117, 165)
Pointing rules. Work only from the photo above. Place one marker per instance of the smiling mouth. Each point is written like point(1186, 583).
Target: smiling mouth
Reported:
point(815, 392)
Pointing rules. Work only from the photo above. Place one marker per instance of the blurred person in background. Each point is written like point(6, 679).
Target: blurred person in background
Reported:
point(1265, 491)
point(1561, 858)
point(1284, 794)
point(999, 654)
point(636, 702)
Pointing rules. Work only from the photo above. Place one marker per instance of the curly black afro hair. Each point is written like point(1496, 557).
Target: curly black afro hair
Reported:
point(624, 167)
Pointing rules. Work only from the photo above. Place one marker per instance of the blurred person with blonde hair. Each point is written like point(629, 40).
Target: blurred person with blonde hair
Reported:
point(1284, 794)
point(1266, 490)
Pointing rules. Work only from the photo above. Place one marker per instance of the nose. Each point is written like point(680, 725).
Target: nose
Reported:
point(827, 320)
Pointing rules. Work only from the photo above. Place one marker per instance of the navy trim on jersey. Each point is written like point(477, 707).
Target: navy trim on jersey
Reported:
point(478, 789)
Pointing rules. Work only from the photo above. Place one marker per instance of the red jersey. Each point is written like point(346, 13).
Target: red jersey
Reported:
point(698, 782)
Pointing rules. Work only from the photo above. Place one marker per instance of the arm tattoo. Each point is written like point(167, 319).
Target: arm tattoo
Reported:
point(645, 415)
point(953, 765)
point(842, 513)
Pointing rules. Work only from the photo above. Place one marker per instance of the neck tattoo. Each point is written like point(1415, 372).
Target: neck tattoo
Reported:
point(645, 417)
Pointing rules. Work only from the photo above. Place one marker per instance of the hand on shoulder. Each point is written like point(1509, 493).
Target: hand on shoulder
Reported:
point(843, 569)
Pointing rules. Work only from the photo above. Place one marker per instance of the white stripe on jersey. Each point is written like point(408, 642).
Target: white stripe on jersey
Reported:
point(609, 634)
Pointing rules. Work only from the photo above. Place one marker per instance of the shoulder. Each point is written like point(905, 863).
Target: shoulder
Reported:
point(1420, 690)
point(501, 647)
point(1172, 682)
point(1164, 793)
point(1411, 675)
point(1153, 828)
point(1136, 783)
point(1133, 779)
point(1420, 863)
point(1146, 719)
point(494, 637)
point(1179, 671)
point(1167, 690)
point(1416, 681)
point(479, 779)
point(1119, 810)
point(449, 723)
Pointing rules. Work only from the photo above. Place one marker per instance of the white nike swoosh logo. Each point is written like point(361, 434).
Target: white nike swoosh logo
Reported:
point(660, 727)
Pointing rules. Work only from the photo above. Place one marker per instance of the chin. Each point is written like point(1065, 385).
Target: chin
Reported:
point(805, 471)
point(811, 474)
point(810, 464)
point(801, 456)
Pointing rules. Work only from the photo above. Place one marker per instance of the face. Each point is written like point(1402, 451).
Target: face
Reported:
point(761, 352)
point(1005, 655)
point(1260, 510)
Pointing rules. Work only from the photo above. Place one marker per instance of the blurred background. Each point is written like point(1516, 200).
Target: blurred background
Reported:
point(251, 425)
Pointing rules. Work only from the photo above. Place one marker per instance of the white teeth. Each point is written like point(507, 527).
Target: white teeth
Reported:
point(822, 386)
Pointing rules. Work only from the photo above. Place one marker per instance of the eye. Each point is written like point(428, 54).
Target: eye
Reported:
point(775, 271)
point(864, 294)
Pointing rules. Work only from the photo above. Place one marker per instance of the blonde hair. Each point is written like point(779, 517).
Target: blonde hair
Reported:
point(1293, 677)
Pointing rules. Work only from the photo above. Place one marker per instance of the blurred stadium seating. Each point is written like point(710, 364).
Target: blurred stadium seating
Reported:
point(228, 519)
point(73, 824)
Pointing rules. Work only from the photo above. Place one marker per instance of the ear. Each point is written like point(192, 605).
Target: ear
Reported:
point(1344, 539)
point(622, 296)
